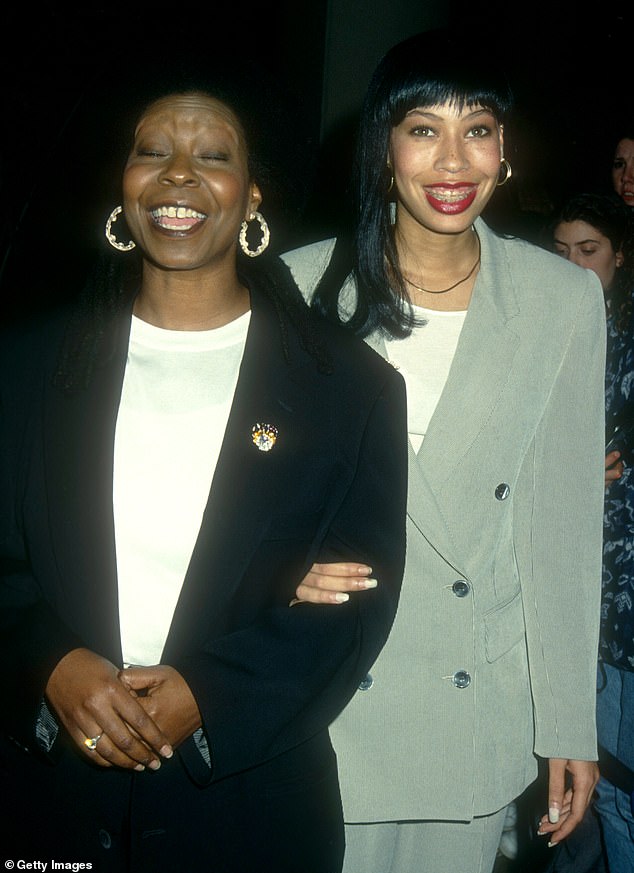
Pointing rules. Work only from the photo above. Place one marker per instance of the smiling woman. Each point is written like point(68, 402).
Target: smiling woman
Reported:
point(175, 453)
point(501, 346)
point(186, 193)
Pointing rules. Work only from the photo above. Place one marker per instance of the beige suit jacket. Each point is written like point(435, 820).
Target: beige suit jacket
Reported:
point(505, 499)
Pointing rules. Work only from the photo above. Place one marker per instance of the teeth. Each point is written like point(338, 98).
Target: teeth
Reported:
point(177, 212)
point(450, 195)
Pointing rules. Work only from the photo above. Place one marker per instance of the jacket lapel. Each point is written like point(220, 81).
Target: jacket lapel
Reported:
point(480, 369)
point(477, 376)
point(423, 509)
point(246, 486)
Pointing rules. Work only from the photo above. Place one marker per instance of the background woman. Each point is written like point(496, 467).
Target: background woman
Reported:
point(623, 169)
point(171, 468)
point(492, 658)
point(591, 230)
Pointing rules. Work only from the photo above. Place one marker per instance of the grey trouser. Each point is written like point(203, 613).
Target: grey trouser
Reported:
point(424, 846)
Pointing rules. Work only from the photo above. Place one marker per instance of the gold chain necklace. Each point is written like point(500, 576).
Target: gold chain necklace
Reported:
point(455, 284)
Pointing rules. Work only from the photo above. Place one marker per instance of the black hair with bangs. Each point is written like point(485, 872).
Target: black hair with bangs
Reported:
point(425, 70)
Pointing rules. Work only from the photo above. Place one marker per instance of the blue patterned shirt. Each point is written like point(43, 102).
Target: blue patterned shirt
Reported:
point(617, 604)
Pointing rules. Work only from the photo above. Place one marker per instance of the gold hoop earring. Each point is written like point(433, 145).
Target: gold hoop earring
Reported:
point(264, 230)
point(114, 242)
point(508, 172)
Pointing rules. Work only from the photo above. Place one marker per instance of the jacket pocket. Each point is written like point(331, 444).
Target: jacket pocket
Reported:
point(504, 628)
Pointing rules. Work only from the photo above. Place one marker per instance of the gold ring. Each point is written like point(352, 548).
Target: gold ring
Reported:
point(91, 742)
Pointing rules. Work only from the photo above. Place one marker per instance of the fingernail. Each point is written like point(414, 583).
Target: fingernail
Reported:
point(154, 765)
point(340, 597)
point(364, 570)
point(551, 845)
point(553, 814)
point(139, 768)
point(166, 751)
point(367, 583)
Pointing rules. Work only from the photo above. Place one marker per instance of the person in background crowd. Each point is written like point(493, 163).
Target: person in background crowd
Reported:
point(623, 168)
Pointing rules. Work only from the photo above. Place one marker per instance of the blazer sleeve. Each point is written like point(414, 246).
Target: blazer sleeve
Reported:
point(558, 540)
point(32, 636)
point(268, 687)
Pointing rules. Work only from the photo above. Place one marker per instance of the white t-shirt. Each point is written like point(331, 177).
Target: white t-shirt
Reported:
point(424, 359)
point(177, 393)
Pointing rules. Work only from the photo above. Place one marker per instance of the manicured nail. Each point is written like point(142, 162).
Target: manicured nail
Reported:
point(552, 845)
point(364, 570)
point(553, 814)
point(154, 765)
point(139, 768)
point(340, 597)
point(367, 583)
point(166, 751)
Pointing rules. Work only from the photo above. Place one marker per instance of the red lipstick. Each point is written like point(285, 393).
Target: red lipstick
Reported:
point(451, 198)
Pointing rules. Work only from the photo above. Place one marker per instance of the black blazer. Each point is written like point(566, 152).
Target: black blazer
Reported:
point(268, 678)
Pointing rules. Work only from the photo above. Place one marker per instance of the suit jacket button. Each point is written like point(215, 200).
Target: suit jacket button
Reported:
point(502, 491)
point(461, 679)
point(105, 839)
point(460, 588)
point(366, 683)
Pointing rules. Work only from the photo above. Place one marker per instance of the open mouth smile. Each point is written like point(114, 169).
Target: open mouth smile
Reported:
point(177, 218)
point(451, 199)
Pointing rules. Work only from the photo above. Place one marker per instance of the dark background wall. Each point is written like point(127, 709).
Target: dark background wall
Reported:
point(571, 68)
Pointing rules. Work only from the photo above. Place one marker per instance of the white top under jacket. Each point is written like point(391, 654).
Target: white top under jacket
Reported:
point(177, 393)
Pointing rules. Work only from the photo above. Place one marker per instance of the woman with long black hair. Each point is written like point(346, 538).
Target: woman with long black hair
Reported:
point(492, 658)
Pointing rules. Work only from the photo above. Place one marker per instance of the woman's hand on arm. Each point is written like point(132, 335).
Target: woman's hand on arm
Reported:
point(167, 699)
point(331, 583)
point(613, 467)
point(566, 807)
point(91, 701)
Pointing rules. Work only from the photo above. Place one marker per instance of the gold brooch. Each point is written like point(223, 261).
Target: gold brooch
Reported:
point(264, 436)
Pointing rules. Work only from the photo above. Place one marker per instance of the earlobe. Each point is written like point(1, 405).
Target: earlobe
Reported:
point(619, 259)
point(255, 200)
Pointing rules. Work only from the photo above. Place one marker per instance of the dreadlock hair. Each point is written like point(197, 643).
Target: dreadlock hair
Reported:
point(275, 280)
point(111, 289)
point(424, 70)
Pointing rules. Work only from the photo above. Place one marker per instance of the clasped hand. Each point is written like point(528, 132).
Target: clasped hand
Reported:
point(139, 714)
